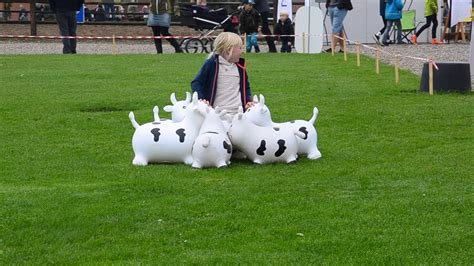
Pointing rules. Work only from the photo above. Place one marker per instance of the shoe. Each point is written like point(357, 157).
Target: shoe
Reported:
point(329, 50)
point(384, 43)
point(376, 38)
point(435, 41)
point(341, 51)
point(413, 39)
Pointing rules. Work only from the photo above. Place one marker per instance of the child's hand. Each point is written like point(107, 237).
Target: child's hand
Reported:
point(205, 101)
point(249, 105)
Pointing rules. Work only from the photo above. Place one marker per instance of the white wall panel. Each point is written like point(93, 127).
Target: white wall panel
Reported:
point(364, 20)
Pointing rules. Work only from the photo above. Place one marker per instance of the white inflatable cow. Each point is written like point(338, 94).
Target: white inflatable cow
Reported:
point(260, 115)
point(212, 147)
point(263, 144)
point(167, 141)
point(178, 109)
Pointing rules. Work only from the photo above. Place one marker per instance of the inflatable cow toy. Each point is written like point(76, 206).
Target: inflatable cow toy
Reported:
point(167, 141)
point(263, 144)
point(260, 115)
point(212, 147)
point(178, 109)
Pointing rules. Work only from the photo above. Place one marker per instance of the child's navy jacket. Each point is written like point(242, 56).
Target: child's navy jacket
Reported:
point(205, 83)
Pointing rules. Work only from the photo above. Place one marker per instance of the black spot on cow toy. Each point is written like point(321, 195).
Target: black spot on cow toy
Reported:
point(227, 146)
point(156, 134)
point(181, 134)
point(304, 131)
point(262, 148)
point(281, 148)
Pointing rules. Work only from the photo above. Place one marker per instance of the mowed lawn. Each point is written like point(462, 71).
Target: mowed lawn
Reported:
point(394, 185)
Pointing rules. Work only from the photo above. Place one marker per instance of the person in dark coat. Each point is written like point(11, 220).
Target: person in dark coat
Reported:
point(376, 36)
point(250, 24)
point(65, 11)
point(262, 7)
point(285, 27)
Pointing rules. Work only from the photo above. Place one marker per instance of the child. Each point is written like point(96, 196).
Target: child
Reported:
point(222, 80)
point(431, 14)
point(393, 14)
point(250, 23)
point(284, 27)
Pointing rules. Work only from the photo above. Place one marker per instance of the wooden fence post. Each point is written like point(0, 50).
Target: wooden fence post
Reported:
point(358, 53)
point(245, 43)
point(430, 77)
point(377, 59)
point(344, 47)
point(397, 69)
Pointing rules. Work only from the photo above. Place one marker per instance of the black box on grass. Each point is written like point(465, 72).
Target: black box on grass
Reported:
point(450, 77)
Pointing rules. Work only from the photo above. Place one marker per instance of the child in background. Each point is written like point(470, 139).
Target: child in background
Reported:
point(222, 80)
point(393, 14)
point(431, 15)
point(285, 27)
point(250, 24)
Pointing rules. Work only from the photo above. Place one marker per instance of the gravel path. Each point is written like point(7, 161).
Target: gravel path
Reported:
point(440, 53)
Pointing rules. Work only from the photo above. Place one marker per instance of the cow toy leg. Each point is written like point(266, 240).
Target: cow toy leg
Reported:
point(315, 154)
point(196, 164)
point(139, 160)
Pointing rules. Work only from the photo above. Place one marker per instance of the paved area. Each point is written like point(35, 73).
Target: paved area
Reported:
point(440, 53)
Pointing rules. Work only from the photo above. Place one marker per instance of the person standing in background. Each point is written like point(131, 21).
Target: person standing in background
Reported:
point(262, 7)
point(109, 9)
point(250, 24)
point(285, 27)
point(382, 4)
point(431, 15)
point(337, 10)
point(159, 19)
point(393, 14)
point(65, 11)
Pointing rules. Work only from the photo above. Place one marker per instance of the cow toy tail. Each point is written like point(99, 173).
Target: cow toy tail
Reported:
point(132, 119)
point(206, 142)
point(299, 134)
point(156, 115)
point(315, 115)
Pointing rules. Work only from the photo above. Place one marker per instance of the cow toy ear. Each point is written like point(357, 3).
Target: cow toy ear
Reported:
point(195, 98)
point(255, 98)
point(262, 99)
point(168, 108)
point(188, 97)
point(156, 112)
point(173, 98)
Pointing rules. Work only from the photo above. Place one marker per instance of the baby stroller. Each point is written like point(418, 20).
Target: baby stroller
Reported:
point(204, 21)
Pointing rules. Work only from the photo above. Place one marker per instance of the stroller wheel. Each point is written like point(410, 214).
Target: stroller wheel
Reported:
point(208, 45)
point(194, 45)
point(182, 43)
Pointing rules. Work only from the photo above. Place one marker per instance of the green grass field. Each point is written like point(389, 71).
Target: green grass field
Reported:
point(394, 186)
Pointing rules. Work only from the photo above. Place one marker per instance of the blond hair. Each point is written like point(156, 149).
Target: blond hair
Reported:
point(284, 13)
point(225, 43)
